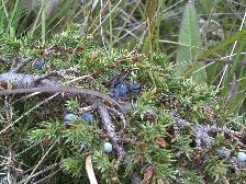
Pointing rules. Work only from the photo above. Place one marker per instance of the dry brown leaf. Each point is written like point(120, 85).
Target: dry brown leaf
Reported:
point(161, 142)
point(149, 173)
point(94, 54)
point(208, 111)
point(47, 142)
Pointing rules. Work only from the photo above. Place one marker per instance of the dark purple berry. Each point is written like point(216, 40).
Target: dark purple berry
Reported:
point(38, 64)
point(87, 116)
point(116, 94)
point(119, 91)
point(224, 153)
point(121, 88)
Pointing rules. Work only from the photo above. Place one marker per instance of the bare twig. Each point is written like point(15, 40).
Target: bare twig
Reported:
point(39, 163)
point(109, 127)
point(20, 65)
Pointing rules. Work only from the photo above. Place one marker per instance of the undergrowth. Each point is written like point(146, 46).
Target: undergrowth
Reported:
point(182, 121)
point(157, 148)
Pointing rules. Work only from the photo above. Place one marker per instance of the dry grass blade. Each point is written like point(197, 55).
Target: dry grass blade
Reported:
point(90, 171)
point(152, 7)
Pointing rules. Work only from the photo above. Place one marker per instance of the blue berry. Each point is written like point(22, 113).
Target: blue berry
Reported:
point(119, 91)
point(241, 156)
point(121, 88)
point(224, 153)
point(87, 116)
point(70, 117)
point(107, 147)
point(115, 94)
point(134, 86)
point(38, 64)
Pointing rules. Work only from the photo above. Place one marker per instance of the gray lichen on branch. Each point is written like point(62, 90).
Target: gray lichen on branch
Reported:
point(20, 80)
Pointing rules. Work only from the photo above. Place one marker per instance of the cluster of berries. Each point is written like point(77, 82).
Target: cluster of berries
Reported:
point(121, 88)
point(86, 116)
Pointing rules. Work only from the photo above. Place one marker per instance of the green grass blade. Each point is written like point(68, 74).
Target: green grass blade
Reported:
point(15, 16)
point(189, 44)
point(240, 72)
point(43, 22)
point(239, 35)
